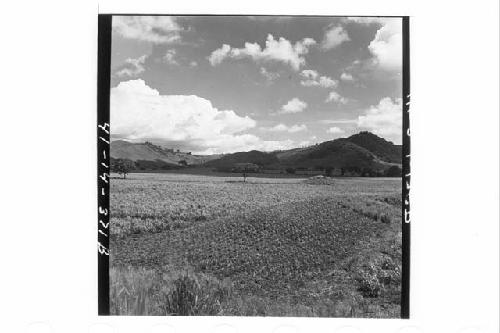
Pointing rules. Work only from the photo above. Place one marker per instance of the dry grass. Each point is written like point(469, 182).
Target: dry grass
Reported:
point(139, 292)
point(282, 249)
point(136, 291)
point(158, 202)
point(378, 208)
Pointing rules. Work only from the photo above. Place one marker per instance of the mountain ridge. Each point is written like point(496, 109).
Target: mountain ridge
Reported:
point(363, 152)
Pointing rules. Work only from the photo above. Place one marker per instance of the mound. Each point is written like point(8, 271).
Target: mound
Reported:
point(320, 180)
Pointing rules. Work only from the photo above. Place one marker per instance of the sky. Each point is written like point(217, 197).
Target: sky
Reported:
point(221, 84)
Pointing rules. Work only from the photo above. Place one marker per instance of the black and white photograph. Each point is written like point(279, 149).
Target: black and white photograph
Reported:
point(256, 166)
point(240, 167)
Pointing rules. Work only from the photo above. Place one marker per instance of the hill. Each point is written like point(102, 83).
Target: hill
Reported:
point(151, 155)
point(362, 153)
point(338, 153)
point(383, 149)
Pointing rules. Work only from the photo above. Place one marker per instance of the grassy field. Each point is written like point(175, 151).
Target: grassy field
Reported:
point(205, 245)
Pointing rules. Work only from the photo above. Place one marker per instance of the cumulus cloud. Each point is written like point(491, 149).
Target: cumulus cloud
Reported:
point(193, 64)
point(309, 74)
point(384, 119)
point(335, 130)
point(217, 56)
point(346, 77)
point(334, 96)
point(284, 128)
point(155, 29)
point(270, 76)
point(311, 78)
point(387, 46)
point(169, 57)
point(334, 36)
point(294, 105)
point(280, 50)
point(132, 67)
point(139, 112)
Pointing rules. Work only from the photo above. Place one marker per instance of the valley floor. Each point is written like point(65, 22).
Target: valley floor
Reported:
point(201, 245)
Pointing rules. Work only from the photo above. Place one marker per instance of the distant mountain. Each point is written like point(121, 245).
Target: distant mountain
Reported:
point(362, 153)
point(146, 153)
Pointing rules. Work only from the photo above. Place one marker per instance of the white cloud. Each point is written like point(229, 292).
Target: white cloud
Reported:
point(334, 36)
point(270, 76)
point(309, 74)
point(294, 105)
point(169, 57)
point(284, 128)
point(346, 77)
point(311, 78)
point(307, 143)
point(387, 46)
point(139, 112)
point(193, 63)
point(335, 130)
point(384, 119)
point(155, 29)
point(219, 55)
point(132, 67)
point(336, 97)
point(280, 50)
point(297, 128)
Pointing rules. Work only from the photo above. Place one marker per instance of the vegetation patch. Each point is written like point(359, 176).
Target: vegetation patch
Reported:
point(136, 291)
point(271, 249)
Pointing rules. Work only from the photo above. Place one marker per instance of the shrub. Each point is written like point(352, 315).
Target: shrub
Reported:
point(393, 171)
point(373, 277)
point(368, 283)
point(385, 218)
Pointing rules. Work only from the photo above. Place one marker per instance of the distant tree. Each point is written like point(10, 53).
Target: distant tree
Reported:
point(245, 169)
point(328, 171)
point(352, 171)
point(122, 166)
point(393, 171)
point(368, 172)
point(183, 162)
point(290, 170)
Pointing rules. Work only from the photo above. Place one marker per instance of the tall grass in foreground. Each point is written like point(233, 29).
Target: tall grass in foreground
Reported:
point(137, 291)
point(183, 293)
